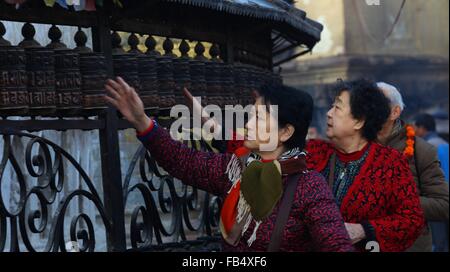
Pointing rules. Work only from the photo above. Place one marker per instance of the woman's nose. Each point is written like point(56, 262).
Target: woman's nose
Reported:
point(249, 122)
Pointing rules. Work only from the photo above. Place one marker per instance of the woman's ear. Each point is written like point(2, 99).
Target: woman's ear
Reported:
point(286, 133)
point(359, 124)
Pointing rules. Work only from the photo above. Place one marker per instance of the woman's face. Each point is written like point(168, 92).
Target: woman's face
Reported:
point(262, 132)
point(340, 121)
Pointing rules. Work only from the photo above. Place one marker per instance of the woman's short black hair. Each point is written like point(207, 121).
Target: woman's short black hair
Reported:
point(295, 107)
point(368, 103)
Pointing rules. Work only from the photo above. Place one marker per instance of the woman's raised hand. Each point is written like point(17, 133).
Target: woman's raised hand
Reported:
point(127, 101)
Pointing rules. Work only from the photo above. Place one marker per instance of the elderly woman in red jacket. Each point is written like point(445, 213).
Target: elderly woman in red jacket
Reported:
point(372, 184)
point(254, 185)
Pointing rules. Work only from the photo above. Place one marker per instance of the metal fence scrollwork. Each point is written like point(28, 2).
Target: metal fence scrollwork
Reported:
point(172, 213)
point(44, 163)
point(71, 181)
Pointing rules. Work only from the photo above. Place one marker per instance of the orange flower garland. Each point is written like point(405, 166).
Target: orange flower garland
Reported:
point(410, 134)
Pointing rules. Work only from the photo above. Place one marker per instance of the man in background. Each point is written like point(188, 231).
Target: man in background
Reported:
point(423, 162)
point(425, 126)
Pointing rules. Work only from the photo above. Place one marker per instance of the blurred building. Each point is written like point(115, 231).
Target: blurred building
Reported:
point(402, 42)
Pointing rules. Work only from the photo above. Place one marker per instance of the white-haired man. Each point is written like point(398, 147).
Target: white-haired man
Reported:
point(424, 164)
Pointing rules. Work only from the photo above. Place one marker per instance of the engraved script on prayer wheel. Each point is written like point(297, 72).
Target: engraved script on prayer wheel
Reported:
point(13, 80)
point(212, 71)
point(68, 81)
point(40, 64)
point(148, 80)
point(198, 81)
point(126, 66)
point(227, 84)
point(166, 84)
point(182, 78)
point(93, 78)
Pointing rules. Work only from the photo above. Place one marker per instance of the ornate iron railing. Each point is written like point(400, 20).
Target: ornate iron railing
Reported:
point(47, 167)
point(166, 201)
point(47, 210)
point(181, 205)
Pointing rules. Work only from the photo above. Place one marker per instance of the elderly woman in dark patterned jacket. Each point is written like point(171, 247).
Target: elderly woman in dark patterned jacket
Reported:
point(272, 202)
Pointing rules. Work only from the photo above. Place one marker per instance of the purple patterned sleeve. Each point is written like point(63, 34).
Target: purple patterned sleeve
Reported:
point(203, 170)
point(322, 216)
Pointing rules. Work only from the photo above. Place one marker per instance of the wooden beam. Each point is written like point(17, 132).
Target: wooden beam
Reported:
point(45, 15)
point(58, 125)
point(278, 63)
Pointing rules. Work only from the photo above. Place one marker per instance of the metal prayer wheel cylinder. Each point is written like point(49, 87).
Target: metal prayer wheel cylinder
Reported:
point(267, 76)
point(248, 85)
point(126, 66)
point(40, 64)
point(148, 78)
point(166, 84)
point(221, 96)
point(68, 81)
point(277, 79)
point(227, 81)
point(260, 77)
point(198, 80)
point(93, 77)
point(238, 83)
point(252, 75)
point(214, 89)
point(182, 78)
point(13, 80)
point(242, 83)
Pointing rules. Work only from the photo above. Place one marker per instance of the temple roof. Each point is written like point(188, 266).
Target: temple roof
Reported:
point(277, 11)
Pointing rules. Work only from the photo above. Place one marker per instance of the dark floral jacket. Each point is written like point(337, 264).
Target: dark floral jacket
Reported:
point(314, 224)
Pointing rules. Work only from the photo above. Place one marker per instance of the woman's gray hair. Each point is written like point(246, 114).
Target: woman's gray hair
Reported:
point(392, 94)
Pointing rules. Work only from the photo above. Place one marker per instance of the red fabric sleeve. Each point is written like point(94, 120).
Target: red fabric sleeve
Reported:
point(318, 154)
point(147, 131)
point(399, 230)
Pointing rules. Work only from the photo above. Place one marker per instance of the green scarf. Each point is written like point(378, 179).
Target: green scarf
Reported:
point(262, 187)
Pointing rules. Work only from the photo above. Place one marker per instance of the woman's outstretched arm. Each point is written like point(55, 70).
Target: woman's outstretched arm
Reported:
point(204, 170)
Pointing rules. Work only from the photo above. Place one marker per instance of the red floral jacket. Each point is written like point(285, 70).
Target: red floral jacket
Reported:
point(383, 194)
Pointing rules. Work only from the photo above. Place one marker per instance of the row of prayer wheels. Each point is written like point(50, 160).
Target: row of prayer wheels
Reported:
point(43, 81)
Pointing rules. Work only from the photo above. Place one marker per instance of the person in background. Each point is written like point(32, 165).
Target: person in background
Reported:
point(443, 158)
point(441, 229)
point(372, 184)
point(423, 162)
point(313, 134)
point(425, 127)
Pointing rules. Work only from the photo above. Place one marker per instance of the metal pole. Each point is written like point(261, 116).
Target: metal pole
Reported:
point(109, 147)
